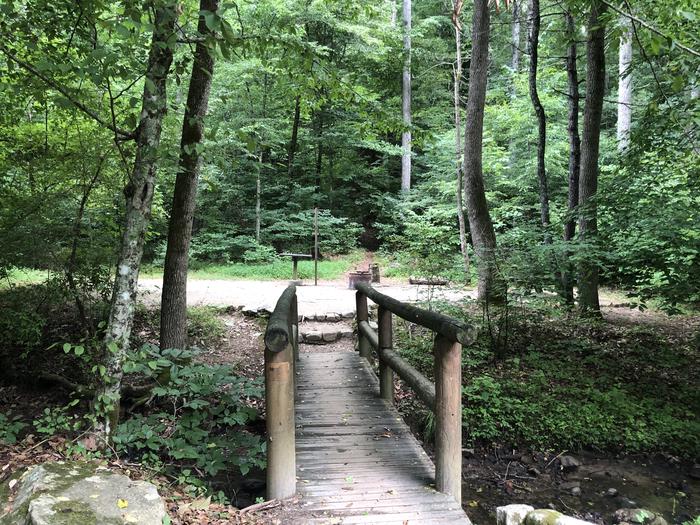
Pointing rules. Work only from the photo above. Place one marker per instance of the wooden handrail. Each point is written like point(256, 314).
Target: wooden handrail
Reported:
point(281, 353)
point(453, 329)
point(444, 397)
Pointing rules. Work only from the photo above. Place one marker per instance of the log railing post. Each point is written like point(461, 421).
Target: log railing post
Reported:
point(448, 416)
point(280, 380)
point(294, 317)
point(386, 375)
point(362, 315)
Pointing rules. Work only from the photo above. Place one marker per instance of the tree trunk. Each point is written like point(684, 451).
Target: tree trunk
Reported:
point(515, 37)
point(173, 312)
point(590, 142)
point(295, 136)
point(139, 196)
point(319, 155)
point(257, 199)
point(490, 285)
point(406, 99)
point(624, 93)
point(533, 44)
point(456, 12)
point(574, 154)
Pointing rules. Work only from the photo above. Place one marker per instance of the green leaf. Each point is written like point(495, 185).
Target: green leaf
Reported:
point(67, 347)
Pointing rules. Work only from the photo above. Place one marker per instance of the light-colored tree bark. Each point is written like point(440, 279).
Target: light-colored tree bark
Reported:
point(491, 288)
point(139, 196)
point(515, 36)
point(624, 92)
point(406, 100)
point(589, 301)
point(456, 13)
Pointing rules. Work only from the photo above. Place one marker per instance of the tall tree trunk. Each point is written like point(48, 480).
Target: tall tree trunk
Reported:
point(295, 136)
point(533, 44)
point(257, 199)
point(173, 310)
point(319, 155)
point(574, 154)
point(515, 37)
point(624, 93)
point(392, 12)
point(456, 12)
point(490, 286)
point(139, 196)
point(590, 142)
point(406, 99)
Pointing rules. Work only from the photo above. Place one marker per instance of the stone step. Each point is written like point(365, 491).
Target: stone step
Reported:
point(324, 332)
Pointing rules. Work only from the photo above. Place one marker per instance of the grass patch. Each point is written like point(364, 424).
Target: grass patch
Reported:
point(22, 276)
point(567, 384)
point(279, 269)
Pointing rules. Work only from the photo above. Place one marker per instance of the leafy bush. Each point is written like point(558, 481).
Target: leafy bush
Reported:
point(295, 232)
point(58, 419)
point(10, 428)
point(198, 416)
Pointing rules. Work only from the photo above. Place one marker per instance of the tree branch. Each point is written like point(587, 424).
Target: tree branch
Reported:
point(125, 135)
point(651, 28)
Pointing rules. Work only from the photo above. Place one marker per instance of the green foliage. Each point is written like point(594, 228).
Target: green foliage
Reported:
point(197, 418)
point(570, 388)
point(10, 428)
point(55, 420)
point(205, 324)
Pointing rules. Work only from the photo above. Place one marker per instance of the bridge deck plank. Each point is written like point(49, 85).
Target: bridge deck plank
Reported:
point(357, 460)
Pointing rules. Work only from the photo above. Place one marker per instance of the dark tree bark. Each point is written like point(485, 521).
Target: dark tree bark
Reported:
point(295, 136)
point(173, 313)
point(533, 44)
point(574, 153)
point(490, 286)
point(590, 141)
point(139, 197)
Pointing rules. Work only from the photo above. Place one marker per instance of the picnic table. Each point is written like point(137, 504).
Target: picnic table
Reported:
point(295, 259)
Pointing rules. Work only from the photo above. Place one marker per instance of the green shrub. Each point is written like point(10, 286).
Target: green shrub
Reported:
point(10, 428)
point(198, 416)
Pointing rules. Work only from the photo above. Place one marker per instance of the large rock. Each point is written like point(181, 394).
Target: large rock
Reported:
point(80, 493)
point(637, 517)
point(512, 514)
point(552, 517)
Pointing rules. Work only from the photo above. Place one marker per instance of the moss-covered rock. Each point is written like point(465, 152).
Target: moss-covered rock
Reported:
point(79, 493)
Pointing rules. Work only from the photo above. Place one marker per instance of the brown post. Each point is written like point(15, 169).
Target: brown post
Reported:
point(279, 395)
point(386, 376)
point(362, 315)
point(448, 417)
point(294, 316)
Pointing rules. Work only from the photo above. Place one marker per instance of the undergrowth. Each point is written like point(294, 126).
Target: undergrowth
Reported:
point(571, 384)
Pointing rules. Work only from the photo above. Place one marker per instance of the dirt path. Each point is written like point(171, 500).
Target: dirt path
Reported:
point(328, 297)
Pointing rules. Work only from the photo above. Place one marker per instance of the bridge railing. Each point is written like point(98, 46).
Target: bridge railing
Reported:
point(281, 355)
point(444, 397)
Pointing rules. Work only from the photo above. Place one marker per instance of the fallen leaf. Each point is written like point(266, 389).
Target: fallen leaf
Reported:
point(122, 503)
point(12, 483)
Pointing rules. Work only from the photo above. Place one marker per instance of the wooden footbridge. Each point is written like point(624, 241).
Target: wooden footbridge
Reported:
point(336, 440)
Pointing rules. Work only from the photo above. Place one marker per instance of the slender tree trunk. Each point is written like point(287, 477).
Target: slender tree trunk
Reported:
point(456, 12)
point(319, 154)
point(392, 12)
point(72, 263)
point(574, 154)
point(515, 37)
point(257, 198)
point(173, 312)
point(624, 93)
point(490, 286)
point(406, 99)
point(590, 142)
point(533, 44)
point(295, 136)
point(139, 196)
